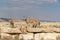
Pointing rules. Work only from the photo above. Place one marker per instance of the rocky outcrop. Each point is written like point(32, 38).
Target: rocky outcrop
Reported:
point(29, 29)
point(31, 36)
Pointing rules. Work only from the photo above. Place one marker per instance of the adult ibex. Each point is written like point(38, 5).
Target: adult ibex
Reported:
point(33, 21)
point(11, 23)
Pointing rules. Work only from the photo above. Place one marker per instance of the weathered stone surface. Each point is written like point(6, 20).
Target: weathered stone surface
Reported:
point(5, 36)
point(10, 30)
point(34, 29)
point(58, 37)
point(47, 36)
point(4, 24)
point(31, 36)
point(28, 36)
point(37, 36)
point(15, 37)
point(47, 30)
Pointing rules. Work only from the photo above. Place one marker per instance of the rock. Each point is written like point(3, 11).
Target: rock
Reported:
point(58, 37)
point(5, 36)
point(15, 37)
point(36, 37)
point(28, 36)
point(47, 36)
point(10, 30)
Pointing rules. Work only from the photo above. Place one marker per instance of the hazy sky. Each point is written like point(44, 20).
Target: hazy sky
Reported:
point(41, 9)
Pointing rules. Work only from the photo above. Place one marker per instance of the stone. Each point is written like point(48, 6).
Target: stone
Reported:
point(58, 37)
point(5, 36)
point(10, 30)
point(36, 37)
point(26, 36)
point(15, 37)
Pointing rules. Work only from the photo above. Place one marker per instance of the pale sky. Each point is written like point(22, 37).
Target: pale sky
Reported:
point(41, 9)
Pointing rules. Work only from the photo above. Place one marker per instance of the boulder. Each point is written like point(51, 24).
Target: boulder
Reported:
point(28, 36)
point(10, 30)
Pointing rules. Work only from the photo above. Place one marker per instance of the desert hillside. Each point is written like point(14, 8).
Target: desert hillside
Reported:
point(29, 29)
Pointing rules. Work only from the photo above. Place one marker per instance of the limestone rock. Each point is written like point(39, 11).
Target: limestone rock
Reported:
point(10, 30)
point(26, 36)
